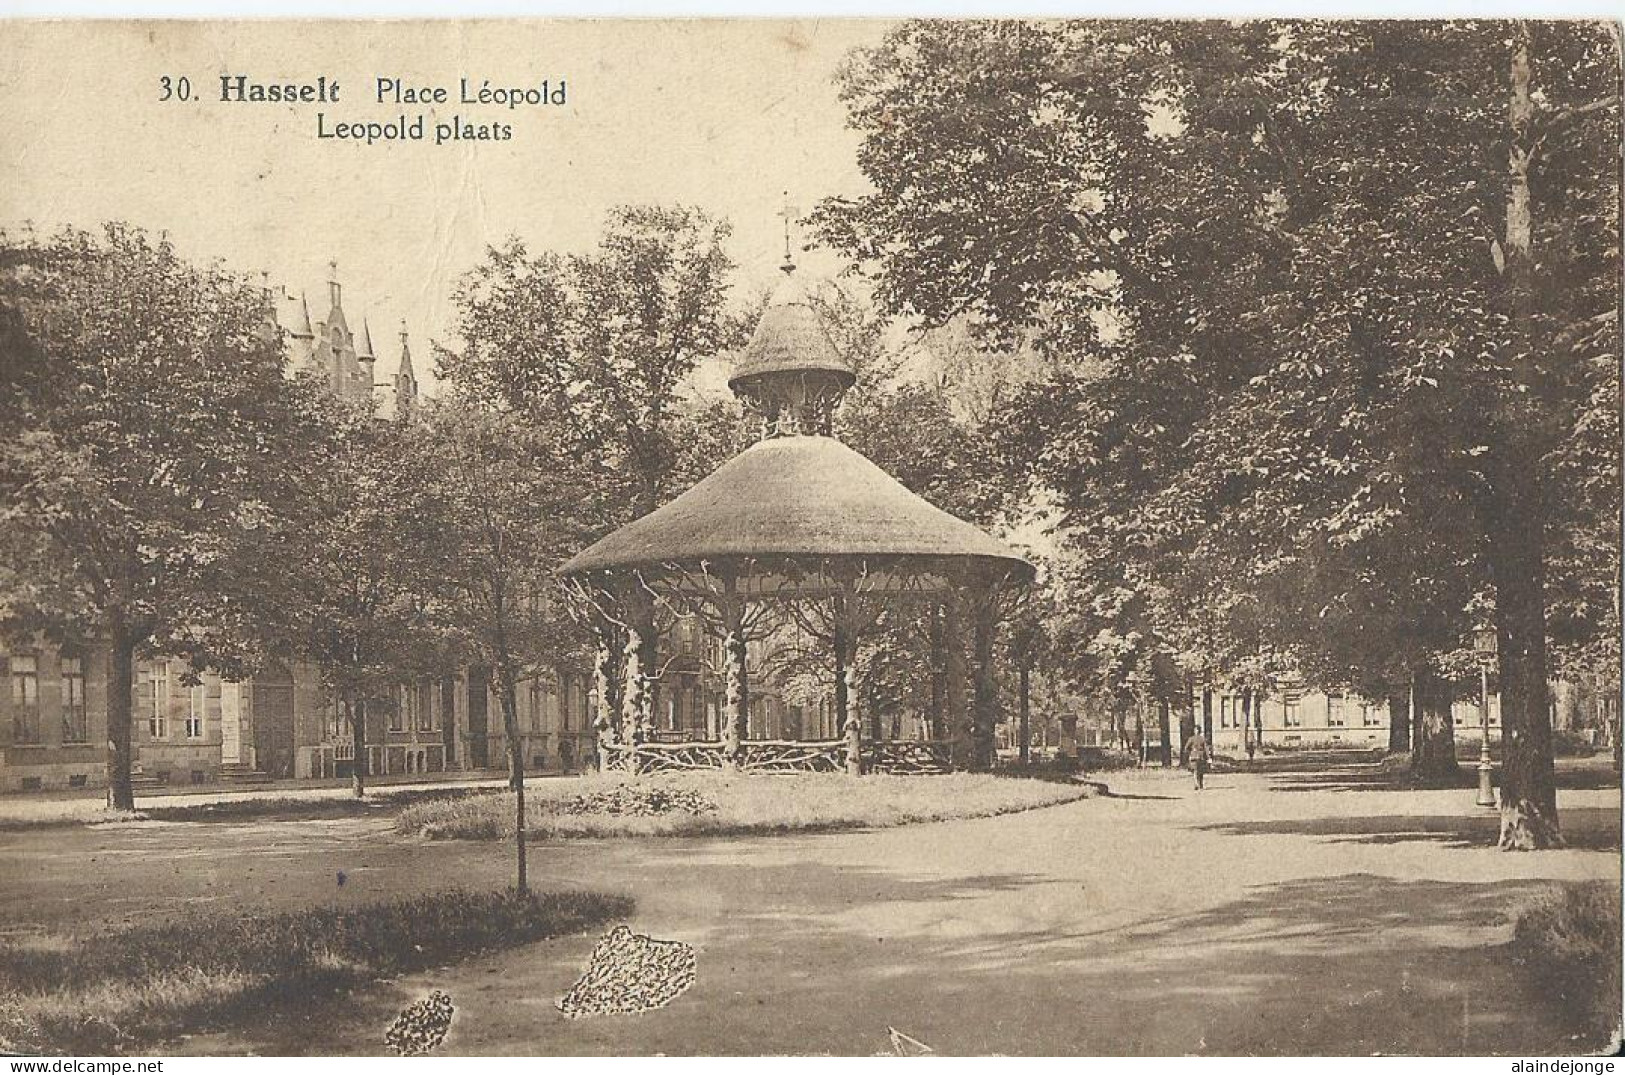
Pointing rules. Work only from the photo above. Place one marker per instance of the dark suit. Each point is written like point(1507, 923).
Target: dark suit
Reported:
point(1200, 754)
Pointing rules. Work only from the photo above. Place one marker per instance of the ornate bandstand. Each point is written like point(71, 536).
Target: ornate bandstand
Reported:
point(797, 528)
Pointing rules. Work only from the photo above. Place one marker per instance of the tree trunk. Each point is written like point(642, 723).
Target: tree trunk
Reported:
point(1207, 710)
point(510, 728)
point(1258, 718)
point(516, 769)
point(1399, 722)
point(984, 711)
point(120, 719)
point(1517, 552)
point(1528, 782)
point(1433, 740)
point(358, 743)
point(1165, 732)
point(1247, 743)
point(1024, 713)
point(1187, 721)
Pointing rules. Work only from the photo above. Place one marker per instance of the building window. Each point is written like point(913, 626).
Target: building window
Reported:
point(397, 716)
point(1334, 711)
point(1227, 707)
point(425, 706)
point(75, 728)
point(25, 699)
point(195, 708)
point(1292, 705)
point(534, 693)
point(158, 717)
point(1371, 715)
point(448, 703)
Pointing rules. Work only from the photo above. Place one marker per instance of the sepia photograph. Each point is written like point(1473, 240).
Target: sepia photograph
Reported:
point(810, 537)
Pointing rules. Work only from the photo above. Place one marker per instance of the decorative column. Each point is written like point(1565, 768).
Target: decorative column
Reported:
point(606, 721)
point(984, 706)
point(853, 729)
point(956, 715)
point(854, 734)
point(736, 676)
point(737, 682)
point(635, 687)
point(844, 643)
point(938, 679)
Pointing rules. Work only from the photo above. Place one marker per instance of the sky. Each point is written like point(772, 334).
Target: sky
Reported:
point(730, 116)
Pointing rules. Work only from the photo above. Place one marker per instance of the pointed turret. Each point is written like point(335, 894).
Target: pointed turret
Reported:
point(406, 381)
point(302, 329)
point(301, 335)
point(366, 360)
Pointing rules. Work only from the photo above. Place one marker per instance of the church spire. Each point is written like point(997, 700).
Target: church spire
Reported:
point(302, 329)
point(406, 381)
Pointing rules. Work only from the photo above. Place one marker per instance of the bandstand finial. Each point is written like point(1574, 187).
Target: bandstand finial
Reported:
point(787, 213)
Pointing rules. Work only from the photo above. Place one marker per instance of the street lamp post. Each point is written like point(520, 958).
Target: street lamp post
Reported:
point(1484, 643)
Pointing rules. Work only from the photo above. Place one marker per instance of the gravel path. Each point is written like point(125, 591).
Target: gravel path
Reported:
point(1280, 913)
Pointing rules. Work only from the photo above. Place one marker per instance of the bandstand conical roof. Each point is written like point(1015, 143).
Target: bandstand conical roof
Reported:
point(799, 509)
point(789, 339)
point(794, 497)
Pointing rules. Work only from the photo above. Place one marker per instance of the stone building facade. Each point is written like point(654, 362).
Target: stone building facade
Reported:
point(282, 725)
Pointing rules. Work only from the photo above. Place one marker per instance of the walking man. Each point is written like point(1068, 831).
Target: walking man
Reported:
point(1200, 754)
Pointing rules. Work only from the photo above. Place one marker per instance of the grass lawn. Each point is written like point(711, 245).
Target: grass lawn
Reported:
point(1571, 942)
point(125, 990)
point(326, 803)
point(692, 804)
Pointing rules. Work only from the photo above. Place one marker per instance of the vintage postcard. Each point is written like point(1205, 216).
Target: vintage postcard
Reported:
point(826, 537)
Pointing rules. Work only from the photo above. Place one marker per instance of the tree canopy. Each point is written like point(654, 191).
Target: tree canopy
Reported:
point(1326, 306)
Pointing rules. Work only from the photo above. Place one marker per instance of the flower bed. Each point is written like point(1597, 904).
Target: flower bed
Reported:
point(691, 804)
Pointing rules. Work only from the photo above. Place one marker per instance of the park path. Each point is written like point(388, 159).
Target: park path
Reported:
point(1269, 914)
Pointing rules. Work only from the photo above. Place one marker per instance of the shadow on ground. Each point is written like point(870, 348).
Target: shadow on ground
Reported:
point(1580, 775)
point(1354, 964)
point(1584, 829)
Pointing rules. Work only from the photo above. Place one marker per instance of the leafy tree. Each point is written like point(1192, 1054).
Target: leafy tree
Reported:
point(353, 569)
point(604, 342)
point(1292, 323)
point(145, 427)
point(506, 509)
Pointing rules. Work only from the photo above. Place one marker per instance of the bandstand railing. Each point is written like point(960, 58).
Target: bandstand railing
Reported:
point(910, 757)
